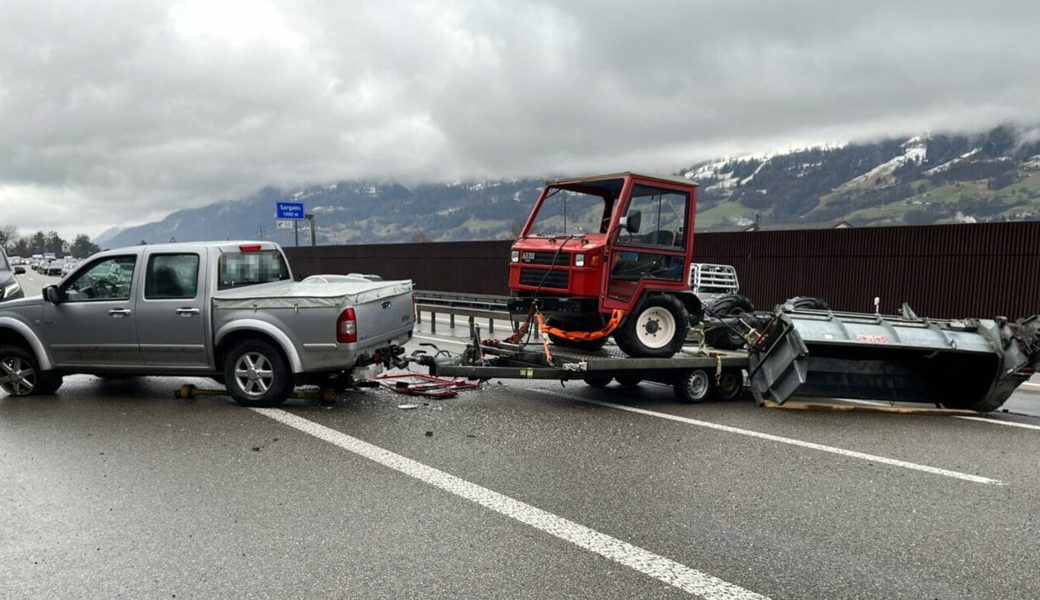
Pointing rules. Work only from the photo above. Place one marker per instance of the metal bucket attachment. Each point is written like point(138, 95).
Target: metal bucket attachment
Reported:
point(969, 363)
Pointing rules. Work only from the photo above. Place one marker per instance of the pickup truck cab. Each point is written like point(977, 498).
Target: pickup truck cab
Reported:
point(226, 310)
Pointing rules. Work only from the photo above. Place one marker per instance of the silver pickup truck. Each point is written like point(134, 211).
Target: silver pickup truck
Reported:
point(226, 310)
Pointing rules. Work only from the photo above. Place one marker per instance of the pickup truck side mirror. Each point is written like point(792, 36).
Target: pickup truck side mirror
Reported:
point(631, 221)
point(52, 294)
point(19, 270)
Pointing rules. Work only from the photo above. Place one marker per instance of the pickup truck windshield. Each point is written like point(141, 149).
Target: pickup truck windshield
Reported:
point(237, 269)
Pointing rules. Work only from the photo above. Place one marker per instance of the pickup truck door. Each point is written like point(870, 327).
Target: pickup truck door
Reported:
point(172, 316)
point(93, 325)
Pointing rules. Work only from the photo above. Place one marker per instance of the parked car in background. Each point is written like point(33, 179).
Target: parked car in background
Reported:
point(68, 266)
point(9, 286)
point(52, 268)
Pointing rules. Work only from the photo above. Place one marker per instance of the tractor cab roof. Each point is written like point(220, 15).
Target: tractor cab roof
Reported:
point(610, 184)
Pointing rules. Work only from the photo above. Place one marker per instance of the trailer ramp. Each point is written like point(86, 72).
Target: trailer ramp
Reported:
point(969, 363)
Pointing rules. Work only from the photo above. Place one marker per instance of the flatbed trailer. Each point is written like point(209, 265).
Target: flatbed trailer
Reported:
point(972, 364)
point(696, 373)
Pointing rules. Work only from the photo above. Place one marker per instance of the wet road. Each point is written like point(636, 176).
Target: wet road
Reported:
point(116, 489)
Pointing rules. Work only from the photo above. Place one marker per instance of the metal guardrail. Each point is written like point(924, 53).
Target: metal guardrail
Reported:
point(471, 306)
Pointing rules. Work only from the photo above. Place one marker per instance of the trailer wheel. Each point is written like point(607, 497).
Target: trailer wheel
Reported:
point(257, 374)
point(629, 380)
point(597, 381)
point(729, 385)
point(657, 330)
point(693, 386)
point(20, 374)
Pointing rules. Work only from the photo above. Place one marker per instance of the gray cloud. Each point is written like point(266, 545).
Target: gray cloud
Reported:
point(117, 112)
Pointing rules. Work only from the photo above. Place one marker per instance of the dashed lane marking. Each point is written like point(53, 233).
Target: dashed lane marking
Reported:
point(663, 569)
point(786, 440)
point(1000, 422)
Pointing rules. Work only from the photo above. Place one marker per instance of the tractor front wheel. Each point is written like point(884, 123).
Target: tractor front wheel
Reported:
point(656, 330)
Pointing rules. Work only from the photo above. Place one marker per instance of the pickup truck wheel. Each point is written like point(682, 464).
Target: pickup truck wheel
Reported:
point(657, 330)
point(257, 374)
point(693, 386)
point(20, 374)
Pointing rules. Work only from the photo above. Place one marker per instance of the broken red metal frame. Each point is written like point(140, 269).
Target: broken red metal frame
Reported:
point(428, 386)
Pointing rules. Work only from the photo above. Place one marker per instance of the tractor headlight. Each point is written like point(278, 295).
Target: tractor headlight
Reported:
point(514, 256)
point(579, 260)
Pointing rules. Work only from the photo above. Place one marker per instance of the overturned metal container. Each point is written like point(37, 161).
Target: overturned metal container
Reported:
point(968, 363)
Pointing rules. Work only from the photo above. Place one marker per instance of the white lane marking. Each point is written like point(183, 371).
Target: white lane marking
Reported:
point(864, 402)
point(646, 562)
point(999, 422)
point(786, 440)
point(1033, 385)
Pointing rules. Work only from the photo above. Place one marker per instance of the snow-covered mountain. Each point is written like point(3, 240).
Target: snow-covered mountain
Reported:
point(917, 180)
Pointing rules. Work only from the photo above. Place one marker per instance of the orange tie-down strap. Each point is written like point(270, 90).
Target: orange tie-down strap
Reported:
point(582, 336)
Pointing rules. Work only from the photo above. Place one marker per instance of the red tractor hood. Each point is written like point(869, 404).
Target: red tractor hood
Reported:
point(589, 243)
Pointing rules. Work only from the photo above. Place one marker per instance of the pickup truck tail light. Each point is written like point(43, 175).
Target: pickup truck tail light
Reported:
point(249, 248)
point(346, 327)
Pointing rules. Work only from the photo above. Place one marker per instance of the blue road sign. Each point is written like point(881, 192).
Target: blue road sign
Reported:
point(290, 210)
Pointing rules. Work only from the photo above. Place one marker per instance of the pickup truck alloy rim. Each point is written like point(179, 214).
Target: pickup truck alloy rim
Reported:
point(254, 374)
point(656, 327)
point(17, 377)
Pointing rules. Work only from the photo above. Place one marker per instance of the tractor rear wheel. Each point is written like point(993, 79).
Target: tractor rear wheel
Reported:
point(807, 303)
point(723, 336)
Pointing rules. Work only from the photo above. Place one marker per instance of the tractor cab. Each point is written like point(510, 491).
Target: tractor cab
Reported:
point(597, 250)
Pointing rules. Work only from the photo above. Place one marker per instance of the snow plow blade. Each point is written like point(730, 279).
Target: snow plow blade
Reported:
point(971, 364)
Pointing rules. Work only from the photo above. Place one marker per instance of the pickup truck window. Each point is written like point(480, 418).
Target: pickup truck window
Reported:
point(237, 269)
point(107, 279)
point(172, 276)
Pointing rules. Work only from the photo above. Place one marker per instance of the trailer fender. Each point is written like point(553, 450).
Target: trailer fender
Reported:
point(26, 333)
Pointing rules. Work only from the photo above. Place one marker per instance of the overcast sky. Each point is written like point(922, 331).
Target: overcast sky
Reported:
point(118, 112)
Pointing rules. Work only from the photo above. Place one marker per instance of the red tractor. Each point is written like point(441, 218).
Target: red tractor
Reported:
point(609, 255)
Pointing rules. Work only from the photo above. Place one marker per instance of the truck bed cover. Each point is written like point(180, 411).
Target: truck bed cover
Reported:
point(290, 294)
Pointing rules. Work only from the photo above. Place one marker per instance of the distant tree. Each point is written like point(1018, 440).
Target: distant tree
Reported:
point(37, 243)
point(54, 243)
point(82, 247)
point(21, 247)
point(419, 238)
point(8, 235)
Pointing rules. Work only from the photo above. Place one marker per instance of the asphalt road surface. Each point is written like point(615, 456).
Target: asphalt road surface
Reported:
point(113, 488)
